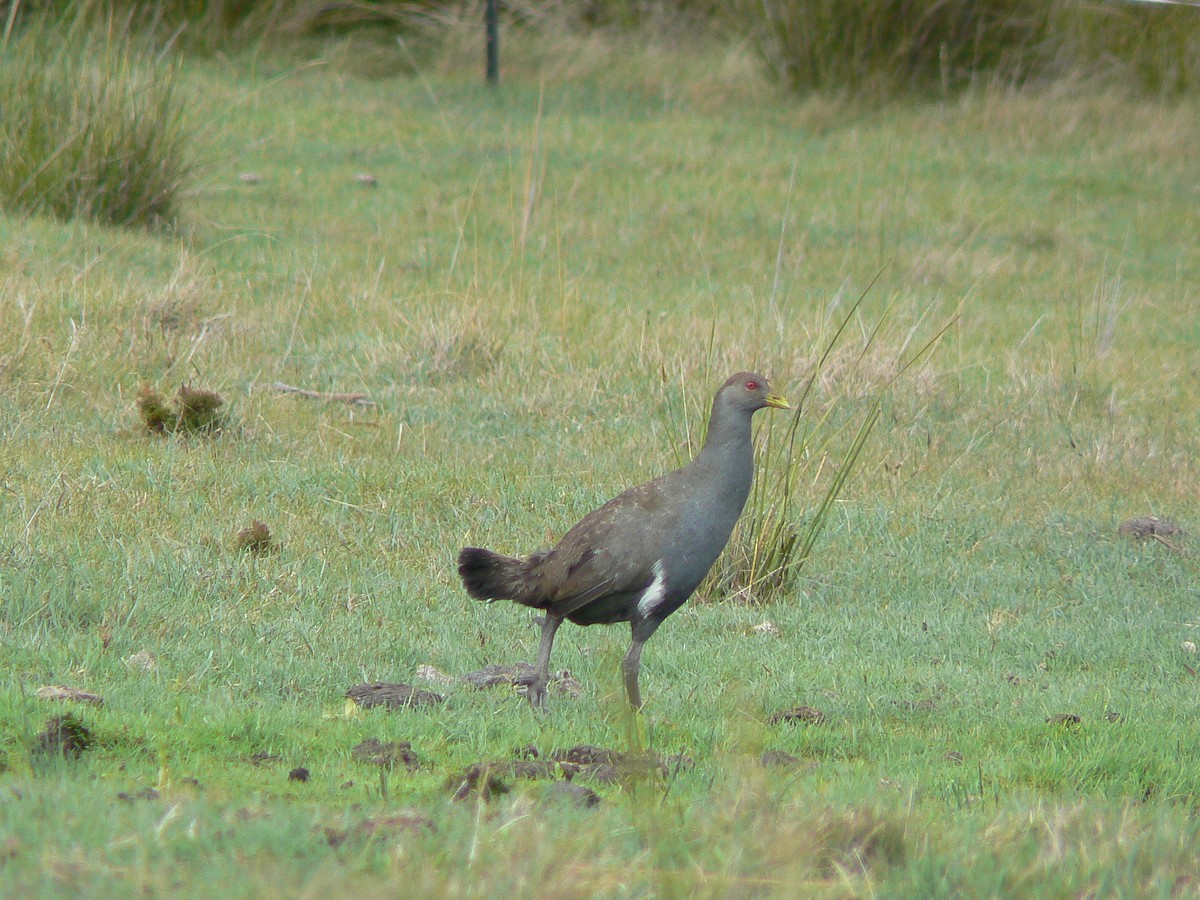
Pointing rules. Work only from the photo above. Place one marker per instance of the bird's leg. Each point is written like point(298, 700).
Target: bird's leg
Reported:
point(631, 666)
point(541, 669)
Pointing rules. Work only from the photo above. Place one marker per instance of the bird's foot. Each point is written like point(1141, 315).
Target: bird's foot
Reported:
point(537, 695)
point(535, 688)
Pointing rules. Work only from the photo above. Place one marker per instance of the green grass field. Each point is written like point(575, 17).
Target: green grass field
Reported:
point(540, 293)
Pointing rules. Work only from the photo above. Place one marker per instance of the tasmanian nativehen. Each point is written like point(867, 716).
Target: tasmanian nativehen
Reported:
point(640, 556)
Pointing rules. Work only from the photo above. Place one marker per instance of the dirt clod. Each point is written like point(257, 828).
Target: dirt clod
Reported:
point(521, 675)
point(806, 715)
point(587, 755)
point(496, 674)
point(393, 696)
point(583, 761)
point(1066, 720)
point(62, 692)
point(491, 778)
point(255, 539)
point(1149, 527)
point(64, 736)
point(607, 766)
point(299, 773)
point(480, 779)
point(1153, 528)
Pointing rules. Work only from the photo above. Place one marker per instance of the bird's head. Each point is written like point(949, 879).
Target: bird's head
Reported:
point(750, 391)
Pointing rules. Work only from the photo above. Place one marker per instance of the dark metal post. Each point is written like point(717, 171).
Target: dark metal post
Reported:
point(492, 21)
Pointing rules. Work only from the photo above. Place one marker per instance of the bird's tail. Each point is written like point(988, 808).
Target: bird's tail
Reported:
point(493, 576)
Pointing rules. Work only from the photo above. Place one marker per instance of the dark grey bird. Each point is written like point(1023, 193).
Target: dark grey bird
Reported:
point(640, 556)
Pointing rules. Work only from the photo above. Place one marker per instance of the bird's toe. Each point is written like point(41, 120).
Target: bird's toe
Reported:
point(536, 692)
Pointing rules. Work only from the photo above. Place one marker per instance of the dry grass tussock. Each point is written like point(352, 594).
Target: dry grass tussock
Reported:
point(178, 321)
point(181, 304)
point(428, 346)
point(1160, 133)
point(93, 127)
point(458, 351)
point(546, 42)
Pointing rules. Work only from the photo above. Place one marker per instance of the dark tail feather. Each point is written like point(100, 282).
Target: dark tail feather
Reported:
point(492, 576)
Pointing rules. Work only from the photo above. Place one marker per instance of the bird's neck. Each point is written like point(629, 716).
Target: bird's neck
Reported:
point(727, 450)
point(726, 430)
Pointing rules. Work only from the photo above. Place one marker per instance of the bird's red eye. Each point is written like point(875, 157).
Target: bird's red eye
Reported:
point(752, 385)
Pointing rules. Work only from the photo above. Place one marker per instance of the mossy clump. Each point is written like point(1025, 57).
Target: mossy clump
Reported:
point(198, 409)
point(155, 413)
point(255, 539)
point(191, 410)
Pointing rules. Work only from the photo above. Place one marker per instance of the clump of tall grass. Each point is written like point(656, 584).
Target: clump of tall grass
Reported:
point(198, 24)
point(863, 46)
point(93, 127)
point(1148, 47)
point(892, 47)
point(209, 26)
point(803, 463)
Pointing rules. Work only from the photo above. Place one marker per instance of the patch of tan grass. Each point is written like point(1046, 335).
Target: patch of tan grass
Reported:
point(544, 41)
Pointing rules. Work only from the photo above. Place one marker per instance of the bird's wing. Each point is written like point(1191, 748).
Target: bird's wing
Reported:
point(611, 551)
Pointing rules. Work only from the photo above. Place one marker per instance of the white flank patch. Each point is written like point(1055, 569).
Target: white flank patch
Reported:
point(652, 597)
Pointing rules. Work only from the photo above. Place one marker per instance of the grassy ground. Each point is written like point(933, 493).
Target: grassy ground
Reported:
point(539, 294)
